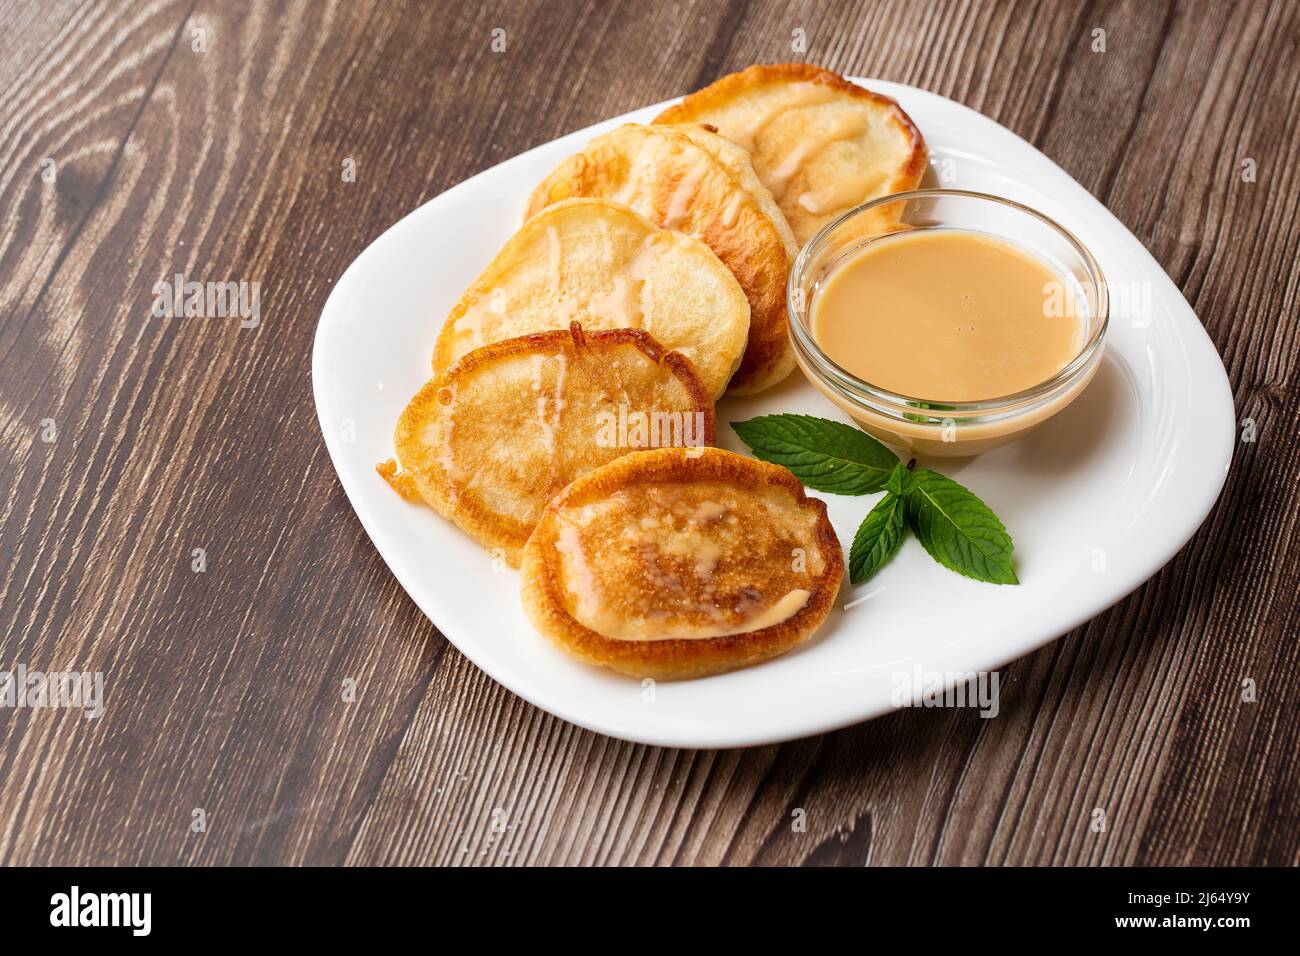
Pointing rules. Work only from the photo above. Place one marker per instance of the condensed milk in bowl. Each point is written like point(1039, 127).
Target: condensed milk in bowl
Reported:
point(947, 322)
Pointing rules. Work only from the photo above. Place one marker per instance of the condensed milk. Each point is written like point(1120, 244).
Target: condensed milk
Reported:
point(947, 322)
point(947, 315)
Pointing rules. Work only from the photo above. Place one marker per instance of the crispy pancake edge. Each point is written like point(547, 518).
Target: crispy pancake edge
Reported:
point(489, 528)
point(674, 659)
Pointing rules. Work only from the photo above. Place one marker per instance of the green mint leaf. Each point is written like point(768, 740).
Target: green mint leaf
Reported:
point(900, 481)
point(878, 537)
point(959, 530)
point(824, 455)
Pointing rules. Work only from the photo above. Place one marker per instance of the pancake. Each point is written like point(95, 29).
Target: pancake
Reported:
point(821, 144)
point(678, 179)
point(606, 266)
point(491, 441)
point(681, 563)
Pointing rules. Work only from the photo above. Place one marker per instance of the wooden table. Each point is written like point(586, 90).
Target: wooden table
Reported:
point(209, 138)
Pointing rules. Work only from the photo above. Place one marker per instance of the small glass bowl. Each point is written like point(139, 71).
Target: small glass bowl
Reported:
point(930, 426)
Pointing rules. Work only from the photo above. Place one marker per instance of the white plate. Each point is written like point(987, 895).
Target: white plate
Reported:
point(1098, 499)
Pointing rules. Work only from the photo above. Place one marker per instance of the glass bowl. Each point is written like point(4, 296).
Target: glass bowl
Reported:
point(927, 425)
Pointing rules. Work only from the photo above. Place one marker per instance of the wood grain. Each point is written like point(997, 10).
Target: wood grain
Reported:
point(225, 688)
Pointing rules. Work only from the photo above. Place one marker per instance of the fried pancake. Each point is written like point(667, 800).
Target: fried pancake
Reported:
point(606, 266)
point(821, 144)
point(490, 442)
point(675, 180)
point(681, 563)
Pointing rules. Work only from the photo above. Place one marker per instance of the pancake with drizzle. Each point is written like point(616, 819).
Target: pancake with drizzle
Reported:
point(681, 563)
point(491, 441)
point(821, 144)
point(693, 181)
point(602, 264)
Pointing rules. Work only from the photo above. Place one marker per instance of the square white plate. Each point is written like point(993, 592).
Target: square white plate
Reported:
point(1097, 500)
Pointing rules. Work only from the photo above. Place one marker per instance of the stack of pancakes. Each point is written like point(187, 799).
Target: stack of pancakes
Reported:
point(568, 421)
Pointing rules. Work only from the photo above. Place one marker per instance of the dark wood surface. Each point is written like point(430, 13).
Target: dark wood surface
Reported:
point(224, 688)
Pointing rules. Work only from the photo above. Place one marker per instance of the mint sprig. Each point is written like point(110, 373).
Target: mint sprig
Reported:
point(954, 526)
point(879, 537)
point(824, 455)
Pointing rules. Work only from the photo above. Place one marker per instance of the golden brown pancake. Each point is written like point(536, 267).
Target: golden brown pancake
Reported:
point(678, 179)
point(681, 563)
point(821, 144)
point(491, 441)
point(608, 267)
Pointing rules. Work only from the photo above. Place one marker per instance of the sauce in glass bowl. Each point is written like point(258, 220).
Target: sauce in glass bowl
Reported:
point(947, 322)
point(951, 315)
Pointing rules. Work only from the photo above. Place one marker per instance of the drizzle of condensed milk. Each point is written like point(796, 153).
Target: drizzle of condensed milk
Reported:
point(844, 126)
point(638, 271)
point(679, 203)
point(786, 607)
point(579, 577)
point(793, 96)
point(621, 305)
point(581, 584)
point(550, 402)
point(840, 194)
point(731, 211)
